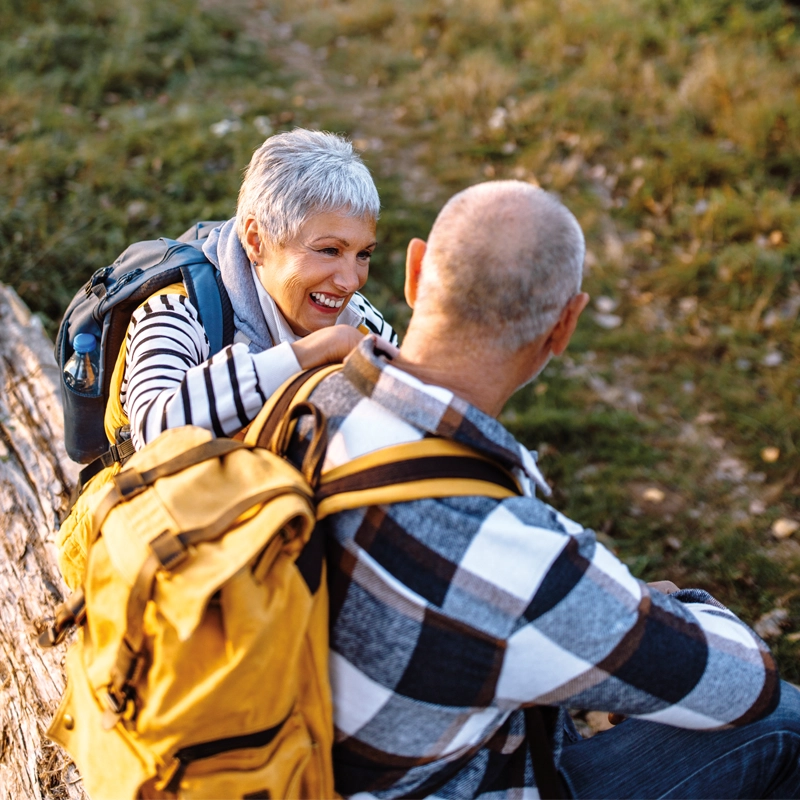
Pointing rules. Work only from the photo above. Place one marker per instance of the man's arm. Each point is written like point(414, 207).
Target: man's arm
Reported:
point(592, 636)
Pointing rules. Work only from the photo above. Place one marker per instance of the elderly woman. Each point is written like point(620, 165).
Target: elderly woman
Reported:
point(292, 262)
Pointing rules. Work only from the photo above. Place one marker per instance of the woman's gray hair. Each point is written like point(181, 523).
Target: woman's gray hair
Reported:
point(299, 173)
point(503, 258)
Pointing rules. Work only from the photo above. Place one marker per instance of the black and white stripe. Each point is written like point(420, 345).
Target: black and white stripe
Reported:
point(373, 319)
point(170, 380)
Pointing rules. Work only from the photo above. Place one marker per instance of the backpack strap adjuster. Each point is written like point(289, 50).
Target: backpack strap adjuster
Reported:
point(122, 451)
point(169, 550)
point(70, 614)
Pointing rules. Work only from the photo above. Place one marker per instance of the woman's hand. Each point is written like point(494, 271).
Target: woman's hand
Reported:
point(326, 346)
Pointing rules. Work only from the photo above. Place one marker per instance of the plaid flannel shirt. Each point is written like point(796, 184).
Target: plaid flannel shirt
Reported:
point(449, 615)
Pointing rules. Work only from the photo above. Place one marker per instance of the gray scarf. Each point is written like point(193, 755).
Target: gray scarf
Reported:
point(224, 250)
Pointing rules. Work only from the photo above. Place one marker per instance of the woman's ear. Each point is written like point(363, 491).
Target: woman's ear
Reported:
point(414, 255)
point(253, 242)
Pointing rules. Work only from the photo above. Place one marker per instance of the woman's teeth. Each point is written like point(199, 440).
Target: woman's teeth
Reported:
point(324, 300)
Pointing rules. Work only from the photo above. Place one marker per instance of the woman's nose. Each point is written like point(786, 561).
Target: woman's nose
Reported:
point(350, 276)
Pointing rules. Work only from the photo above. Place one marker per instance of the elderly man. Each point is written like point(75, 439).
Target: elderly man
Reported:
point(449, 616)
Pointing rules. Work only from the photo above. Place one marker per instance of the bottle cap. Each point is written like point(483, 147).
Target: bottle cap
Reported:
point(84, 343)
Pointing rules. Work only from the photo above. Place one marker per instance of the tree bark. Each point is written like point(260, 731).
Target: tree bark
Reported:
point(36, 477)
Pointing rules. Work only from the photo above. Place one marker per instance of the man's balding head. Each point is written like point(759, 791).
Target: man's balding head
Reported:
point(503, 259)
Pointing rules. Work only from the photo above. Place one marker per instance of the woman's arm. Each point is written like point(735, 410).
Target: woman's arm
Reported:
point(171, 381)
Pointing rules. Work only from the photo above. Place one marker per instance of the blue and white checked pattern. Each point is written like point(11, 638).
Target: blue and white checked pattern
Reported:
point(449, 615)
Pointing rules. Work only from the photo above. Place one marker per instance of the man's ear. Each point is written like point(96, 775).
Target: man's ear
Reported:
point(414, 254)
point(563, 329)
point(252, 240)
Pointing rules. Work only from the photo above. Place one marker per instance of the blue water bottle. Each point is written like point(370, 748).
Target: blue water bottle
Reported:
point(82, 370)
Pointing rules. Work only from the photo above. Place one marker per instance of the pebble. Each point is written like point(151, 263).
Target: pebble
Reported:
point(784, 527)
point(605, 304)
point(772, 359)
point(770, 454)
point(653, 495)
point(770, 625)
point(608, 321)
point(757, 507)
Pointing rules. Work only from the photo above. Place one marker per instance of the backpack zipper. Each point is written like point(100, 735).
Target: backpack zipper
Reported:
point(196, 752)
point(98, 276)
point(125, 280)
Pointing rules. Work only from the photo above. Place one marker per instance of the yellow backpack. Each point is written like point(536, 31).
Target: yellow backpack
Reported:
point(200, 665)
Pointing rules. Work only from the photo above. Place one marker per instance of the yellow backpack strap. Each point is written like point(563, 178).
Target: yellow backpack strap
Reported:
point(424, 469)
point(115, 416)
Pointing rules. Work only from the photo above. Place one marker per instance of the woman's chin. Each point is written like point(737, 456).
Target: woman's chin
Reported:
point(312, 323)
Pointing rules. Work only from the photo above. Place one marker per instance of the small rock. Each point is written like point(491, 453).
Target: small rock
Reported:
point(598, 721)
point(605, 304)
point(772, 359)
point(653, 495)
point(770, 454)
point(136, 209)
point(730, 469)
point(687, 305)
point(674, 542)
point(770, 625)
point(784, 527)
point(743, 364)
point(225, 126)
point(497, 120)
point(608, 321)
point(757, 507)
point(263, 125)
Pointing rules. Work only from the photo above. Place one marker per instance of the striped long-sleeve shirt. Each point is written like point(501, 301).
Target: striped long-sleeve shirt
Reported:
point(171, 381)
point(449, 615)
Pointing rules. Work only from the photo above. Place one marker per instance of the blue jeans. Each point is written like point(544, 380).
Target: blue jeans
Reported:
point(648, 760)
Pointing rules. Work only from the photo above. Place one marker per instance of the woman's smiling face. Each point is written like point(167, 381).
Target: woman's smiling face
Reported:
point(312, 277)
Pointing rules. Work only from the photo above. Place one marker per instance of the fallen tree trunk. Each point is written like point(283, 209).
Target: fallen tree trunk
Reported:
point(36, 477)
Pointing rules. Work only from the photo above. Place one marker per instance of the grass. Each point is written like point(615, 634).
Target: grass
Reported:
point(672, 130)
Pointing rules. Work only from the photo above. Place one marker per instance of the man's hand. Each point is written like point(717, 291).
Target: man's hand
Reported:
point(326, 346)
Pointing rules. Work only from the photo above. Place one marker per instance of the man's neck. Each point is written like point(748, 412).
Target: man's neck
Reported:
point(483, 376)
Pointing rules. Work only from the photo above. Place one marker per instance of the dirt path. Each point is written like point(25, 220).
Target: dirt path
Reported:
point(379, 133)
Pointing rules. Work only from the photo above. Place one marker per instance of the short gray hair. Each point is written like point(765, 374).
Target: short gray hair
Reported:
point(503, 259)
point(299, 173)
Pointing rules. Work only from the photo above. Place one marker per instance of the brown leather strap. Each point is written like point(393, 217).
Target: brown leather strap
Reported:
point(540, 745)
point(69, 614)
point(315, 453)
point(267, 435)
point(417, 469)
point(130, 482)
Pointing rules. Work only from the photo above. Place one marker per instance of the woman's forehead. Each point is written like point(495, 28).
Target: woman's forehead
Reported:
point(338, 225)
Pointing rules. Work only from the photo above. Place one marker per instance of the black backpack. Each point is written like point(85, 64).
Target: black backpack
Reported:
point(103, 307)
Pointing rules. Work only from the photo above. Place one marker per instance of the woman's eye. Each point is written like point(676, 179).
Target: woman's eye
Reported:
point(330, 251)
point(365, 255)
